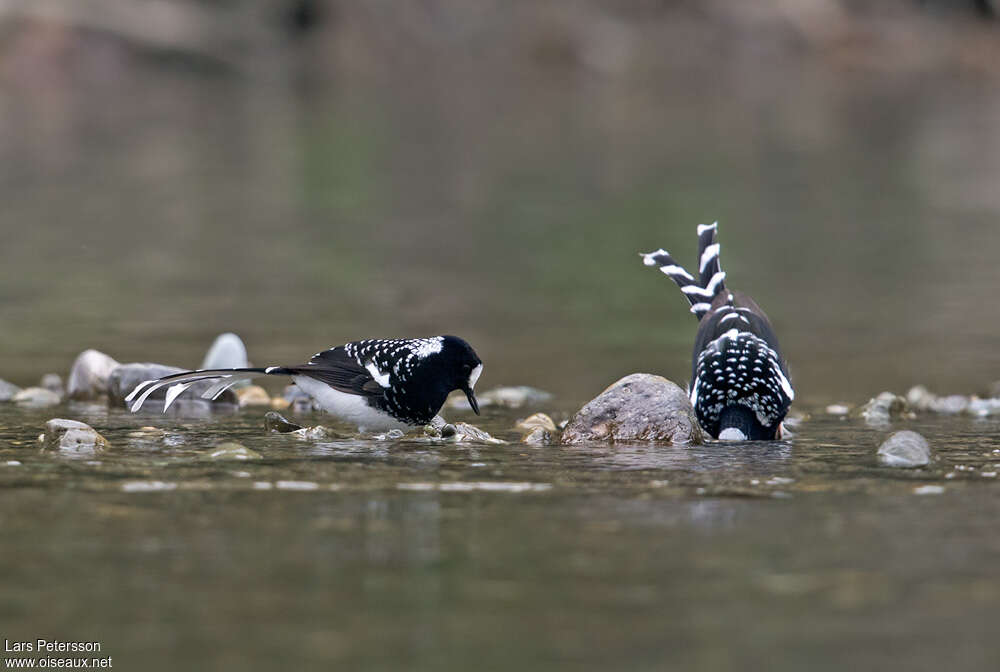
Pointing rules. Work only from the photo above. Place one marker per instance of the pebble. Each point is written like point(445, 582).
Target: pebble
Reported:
point(838, 409)
point(928, 490)
point(72, 436)
point(52, 382)
point(233, 451)
point(37, 397)
point(148, 486)
point(536, 421)
point(13, 463)
point(905, 449)
point(88, 377)
point(8, 390)
point(253, 395)
point(296, 485)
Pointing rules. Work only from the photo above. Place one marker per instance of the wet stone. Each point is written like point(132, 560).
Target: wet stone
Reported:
point(71, 436)
point(88, 377)
point(37, 397)
point(953, 404)
point(8, 390)
point(639, 407)
point(233, 451)
point(838, 409)
point(905, 449)
point(883, 408)
point(274, 422)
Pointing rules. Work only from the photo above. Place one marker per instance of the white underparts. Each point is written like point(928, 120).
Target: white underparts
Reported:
point(732, 434)
point(350, 408)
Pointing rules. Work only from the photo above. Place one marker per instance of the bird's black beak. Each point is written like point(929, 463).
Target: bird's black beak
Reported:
point(472, 399)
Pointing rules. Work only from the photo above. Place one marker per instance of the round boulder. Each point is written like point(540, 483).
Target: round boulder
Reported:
point(639, 407)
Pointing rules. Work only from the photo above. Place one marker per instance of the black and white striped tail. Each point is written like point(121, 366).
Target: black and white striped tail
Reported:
point(179, 382)
point(711, 279)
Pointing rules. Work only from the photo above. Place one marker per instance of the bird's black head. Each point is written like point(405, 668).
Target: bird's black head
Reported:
point(463, 366)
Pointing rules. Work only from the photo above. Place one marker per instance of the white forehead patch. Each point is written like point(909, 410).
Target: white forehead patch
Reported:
point(474, 376)
point(426, 347)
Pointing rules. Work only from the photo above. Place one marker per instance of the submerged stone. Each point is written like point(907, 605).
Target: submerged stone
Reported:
point(88, 377)
point(274, 422)
point(233, 451)
point(639, 407)
point(8, 390)
point(539, 436)
point(459, 432)
point(72, 436)
point(905, 449)
point(37, 397)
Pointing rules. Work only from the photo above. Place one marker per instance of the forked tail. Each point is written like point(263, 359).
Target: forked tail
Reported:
point(711, 279)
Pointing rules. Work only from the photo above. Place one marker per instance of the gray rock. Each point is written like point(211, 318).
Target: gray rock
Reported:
point(72, 436)
point(37, 397)
point(883, 408)
point(504, 397)
point(8, 390)
point(123, 379)
point(88, 377)
point(227, 352)
point(905, 449)
point(274, 422)
point(233, 451)
point(52, 382)
point(639, 407)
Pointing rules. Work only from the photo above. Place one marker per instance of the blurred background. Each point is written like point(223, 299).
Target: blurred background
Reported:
point(306, 172)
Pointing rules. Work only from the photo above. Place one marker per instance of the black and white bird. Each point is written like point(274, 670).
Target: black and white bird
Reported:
point(740, 386)
point(375, 384)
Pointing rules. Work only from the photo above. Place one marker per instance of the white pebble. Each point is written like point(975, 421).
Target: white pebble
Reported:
point(148, 486)
point(13, 463)
point(262, 485)
point(928, 490)
point(296, 485)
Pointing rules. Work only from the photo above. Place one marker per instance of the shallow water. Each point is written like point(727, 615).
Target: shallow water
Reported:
point(419, 554)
